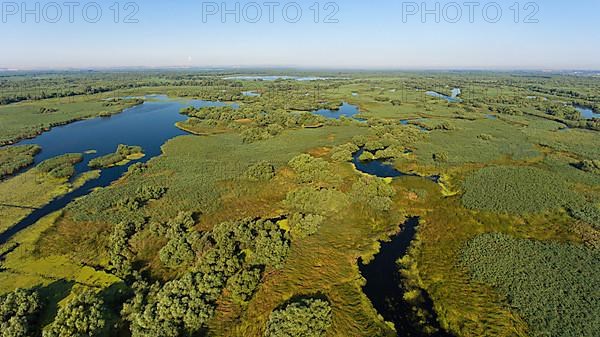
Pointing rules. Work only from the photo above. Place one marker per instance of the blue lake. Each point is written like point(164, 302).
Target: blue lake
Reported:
point(346, 110)
point(148, 125)
point(587, 113)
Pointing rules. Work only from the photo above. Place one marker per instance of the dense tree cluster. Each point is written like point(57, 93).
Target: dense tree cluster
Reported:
point(231, 256)
point(243, 284)
point(321, 201)
point(178, 308)
point(62, 166)
point(304, 225)
point(15, 158)
point(19, 311)
point(180, 249)
point(261, 171)
point(373, 192)
point(123, 151)
point(311, 170)
point(551, 285)
point(255, 121)
point(563, 111)
point(390, 140)
point(83, 315)
point(142, 195)
point(343, 153)
point(309, 317)
point(120, 254)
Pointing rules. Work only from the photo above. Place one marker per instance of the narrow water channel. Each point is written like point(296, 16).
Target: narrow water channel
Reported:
point(385, 286)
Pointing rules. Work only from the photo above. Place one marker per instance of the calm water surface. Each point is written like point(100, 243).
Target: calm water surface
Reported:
point(148, 125)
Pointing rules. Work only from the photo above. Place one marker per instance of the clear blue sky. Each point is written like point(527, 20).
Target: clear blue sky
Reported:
point(370, 34)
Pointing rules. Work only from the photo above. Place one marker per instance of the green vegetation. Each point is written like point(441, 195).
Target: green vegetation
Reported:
point(306, 317)
point(185, 305)
point(261, 171)
point(517, 190)
point(312, 170)
point(227, 231)
point(37, 187)
point(551, 285)
point(25, 120)
point(592, 166)
point(61, 166)
point(19, 311)
point(83, 315)
point(373, 192)
point(123, 155)
point(15, 158)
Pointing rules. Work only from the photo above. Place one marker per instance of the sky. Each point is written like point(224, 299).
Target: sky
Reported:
point(347, 34)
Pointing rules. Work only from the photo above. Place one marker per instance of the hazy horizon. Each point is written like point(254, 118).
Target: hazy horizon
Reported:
point(386, 36)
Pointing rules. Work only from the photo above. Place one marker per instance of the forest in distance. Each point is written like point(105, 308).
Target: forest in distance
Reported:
point(192, 203)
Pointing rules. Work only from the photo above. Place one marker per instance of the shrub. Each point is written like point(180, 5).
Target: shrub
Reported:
point(440, 157)
point(592, 166)
point(586, 212)
point(313, 170)
point(261, 171)
point(305, 225)
point(308, 200)
point(366, 156)
point(254, 134)
point(44, 110)
point(343, 153)
point(305, 318)
point(148, 192)
point(373, 192)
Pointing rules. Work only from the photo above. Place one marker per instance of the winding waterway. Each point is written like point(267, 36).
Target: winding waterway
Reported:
point(148, 125)
point(384, 286)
